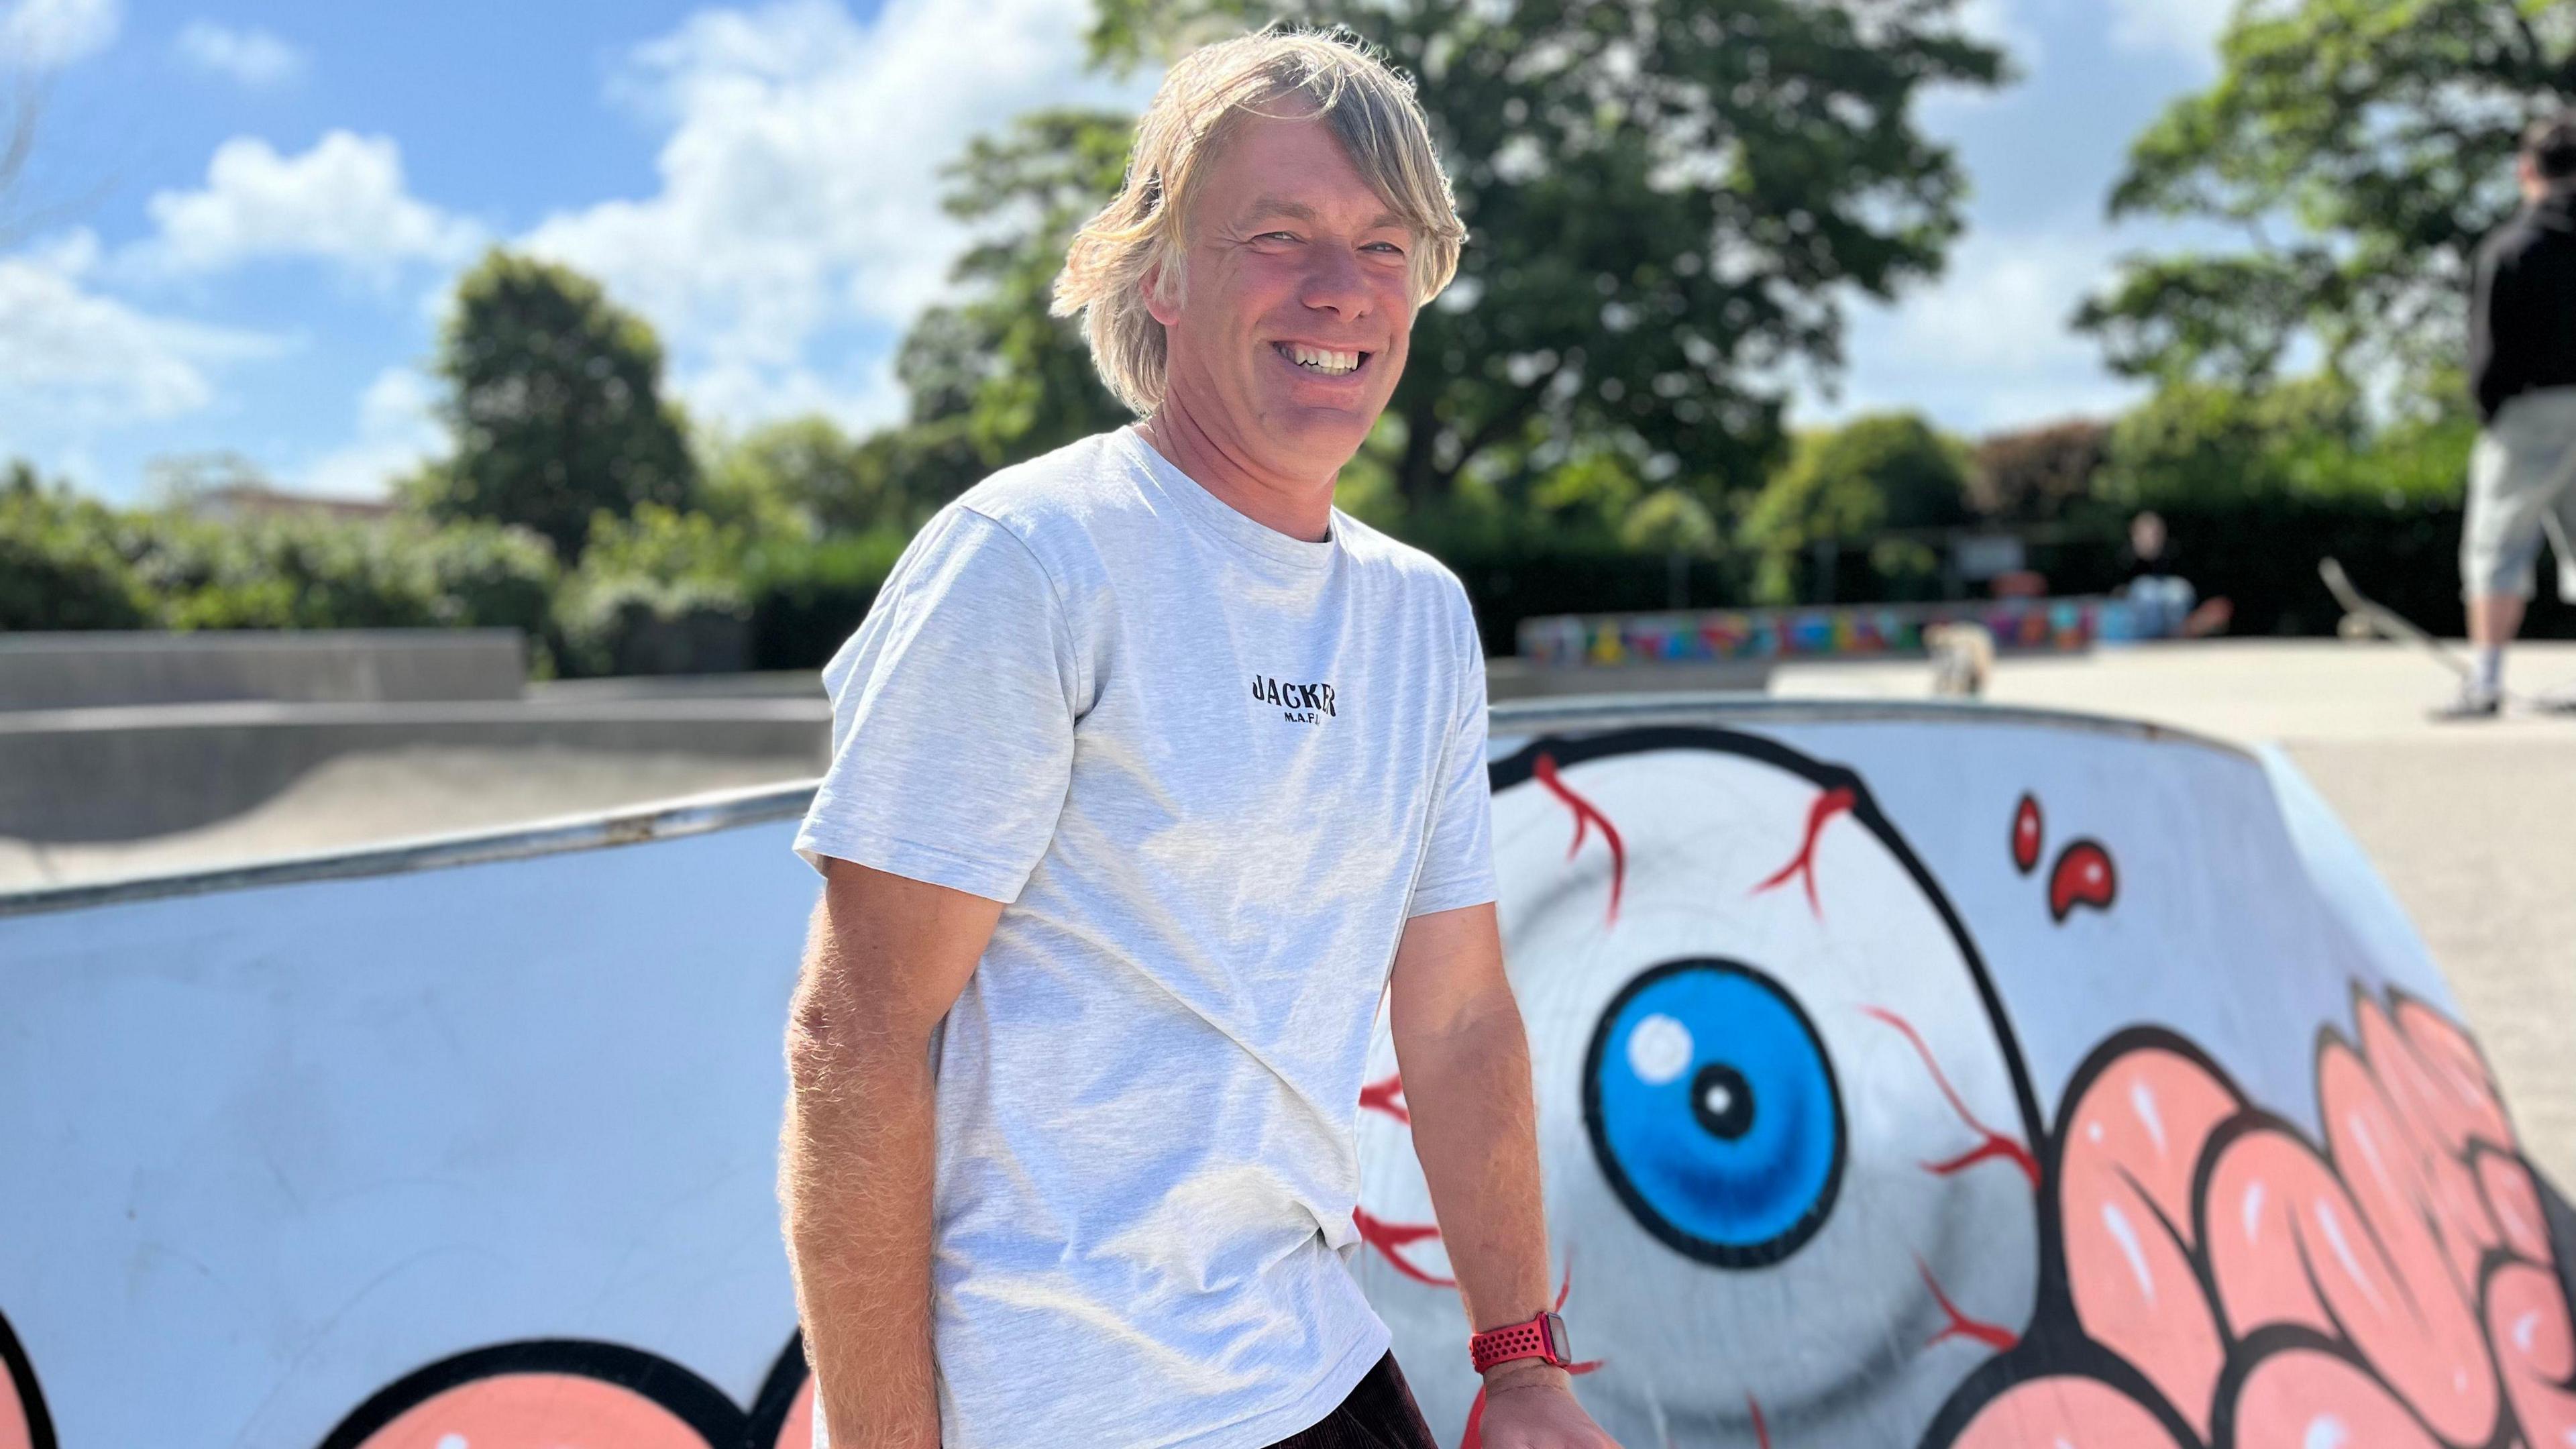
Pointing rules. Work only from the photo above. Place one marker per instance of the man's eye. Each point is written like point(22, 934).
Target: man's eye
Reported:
point(1287, 236)
point(1390, 248)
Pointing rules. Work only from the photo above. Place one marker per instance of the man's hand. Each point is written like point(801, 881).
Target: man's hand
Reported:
point(1530, 1405)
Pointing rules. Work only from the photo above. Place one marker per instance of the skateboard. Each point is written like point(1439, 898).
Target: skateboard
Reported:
point(2365, 618)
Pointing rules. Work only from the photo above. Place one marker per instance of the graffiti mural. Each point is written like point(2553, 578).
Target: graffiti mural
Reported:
point(563, 1394)
point(2218, 1278)
point(1802, 1193)
point(1795, 1086)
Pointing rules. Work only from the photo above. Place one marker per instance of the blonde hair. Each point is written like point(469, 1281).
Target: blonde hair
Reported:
point(1139, 234)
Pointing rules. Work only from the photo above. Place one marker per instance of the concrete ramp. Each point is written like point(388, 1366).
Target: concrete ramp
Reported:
point(1907, 1076)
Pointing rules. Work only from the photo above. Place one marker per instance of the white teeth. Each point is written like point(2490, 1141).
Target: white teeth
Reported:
point(1322, 359)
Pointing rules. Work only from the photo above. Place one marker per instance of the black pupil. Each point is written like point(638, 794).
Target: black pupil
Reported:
point(1722, 1101)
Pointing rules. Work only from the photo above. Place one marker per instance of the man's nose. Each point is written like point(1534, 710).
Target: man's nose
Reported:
point(1334, 283)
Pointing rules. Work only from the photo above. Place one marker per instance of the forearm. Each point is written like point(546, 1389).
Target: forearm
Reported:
point(855, 1191)
point(1467, 1085)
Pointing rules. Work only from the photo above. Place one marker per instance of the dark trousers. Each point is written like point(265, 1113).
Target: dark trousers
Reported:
point(1379, 1414)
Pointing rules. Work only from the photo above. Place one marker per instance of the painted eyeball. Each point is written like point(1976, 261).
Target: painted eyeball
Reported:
point(1786, 1139)
point(1714, 1113)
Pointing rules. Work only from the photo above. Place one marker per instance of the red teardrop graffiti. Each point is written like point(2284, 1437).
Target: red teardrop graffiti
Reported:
point(2083, 876)
point(2027, 834)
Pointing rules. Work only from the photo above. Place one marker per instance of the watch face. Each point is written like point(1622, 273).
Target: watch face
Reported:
point(1559, 1347)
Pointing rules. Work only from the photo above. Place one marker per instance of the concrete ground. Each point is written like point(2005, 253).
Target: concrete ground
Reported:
point(2472, 825)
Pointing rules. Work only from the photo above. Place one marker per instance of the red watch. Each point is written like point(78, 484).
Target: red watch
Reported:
point(1543, 1337)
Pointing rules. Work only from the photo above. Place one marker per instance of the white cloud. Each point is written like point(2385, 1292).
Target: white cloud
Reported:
point(799, 196)
point(1999, 23)
point(71, 356)
point(43, 34)
point(396, 430)
point(1989, 346)
point(2184, 27)
point(252, 57)
point(342, 202)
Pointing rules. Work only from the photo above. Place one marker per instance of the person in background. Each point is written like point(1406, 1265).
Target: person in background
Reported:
point(2522, 367)
point(1153, 775)
point(2164, 603)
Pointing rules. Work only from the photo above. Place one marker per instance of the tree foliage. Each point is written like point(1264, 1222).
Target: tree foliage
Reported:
point(1879, 472)
point(555, 406)
point(59, 567)
point(2213, 446)
point(994, 371)
point(2361, 147)
point(70, 562)
point(1666, 203)
point(798, 476)
point(991, 378)
point(2035, 475)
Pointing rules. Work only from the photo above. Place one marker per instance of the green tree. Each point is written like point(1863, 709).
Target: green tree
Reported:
point(2037, 474)
point(60, 567)
point(2215, 445)
point(555, 404)
point(991, 378)
point(2361, 147)
point(1667, 203)
point(1879, 472)
point(994, 370)
point(796, 476)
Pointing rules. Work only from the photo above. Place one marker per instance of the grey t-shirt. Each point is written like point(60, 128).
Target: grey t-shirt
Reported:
point(1211, 770)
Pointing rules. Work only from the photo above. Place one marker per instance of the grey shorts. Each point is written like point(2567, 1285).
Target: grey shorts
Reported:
point(2522, 484)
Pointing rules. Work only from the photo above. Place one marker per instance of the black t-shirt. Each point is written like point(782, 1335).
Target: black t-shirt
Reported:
point(2522, 320)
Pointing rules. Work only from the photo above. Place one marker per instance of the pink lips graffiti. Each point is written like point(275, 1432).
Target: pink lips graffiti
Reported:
point(565, 1394)
point(2234, 1283)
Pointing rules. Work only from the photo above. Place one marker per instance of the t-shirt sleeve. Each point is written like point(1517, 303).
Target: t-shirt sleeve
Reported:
point(953, 709)
point(1458, 860)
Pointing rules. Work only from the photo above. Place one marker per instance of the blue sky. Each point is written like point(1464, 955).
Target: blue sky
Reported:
point(240, 217)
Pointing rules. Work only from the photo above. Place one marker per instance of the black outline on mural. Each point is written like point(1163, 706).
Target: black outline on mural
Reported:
point(31, 1399)
point(2057, 1345)
point(1772, 1249)
point(777, 1394)
point(700, 1405)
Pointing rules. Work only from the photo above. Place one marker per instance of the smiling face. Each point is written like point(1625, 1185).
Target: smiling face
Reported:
point(1290, 331)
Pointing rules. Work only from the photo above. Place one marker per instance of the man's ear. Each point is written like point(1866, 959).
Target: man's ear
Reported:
point(1156, 305)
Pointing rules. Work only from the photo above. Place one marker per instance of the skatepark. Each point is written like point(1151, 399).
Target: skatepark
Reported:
point(449, 1067)
point(2468, 824)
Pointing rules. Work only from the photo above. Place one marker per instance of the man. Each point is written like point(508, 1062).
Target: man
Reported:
point(1153, 774)
point(2522, 364)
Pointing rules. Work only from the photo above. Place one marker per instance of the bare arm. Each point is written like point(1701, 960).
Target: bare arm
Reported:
point(1465, 1061)
point(884, 960)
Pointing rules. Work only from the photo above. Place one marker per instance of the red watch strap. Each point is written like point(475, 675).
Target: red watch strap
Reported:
point(1519, 1340)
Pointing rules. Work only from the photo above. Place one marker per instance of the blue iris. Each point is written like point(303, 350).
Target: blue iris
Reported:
point(1714, 1113)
